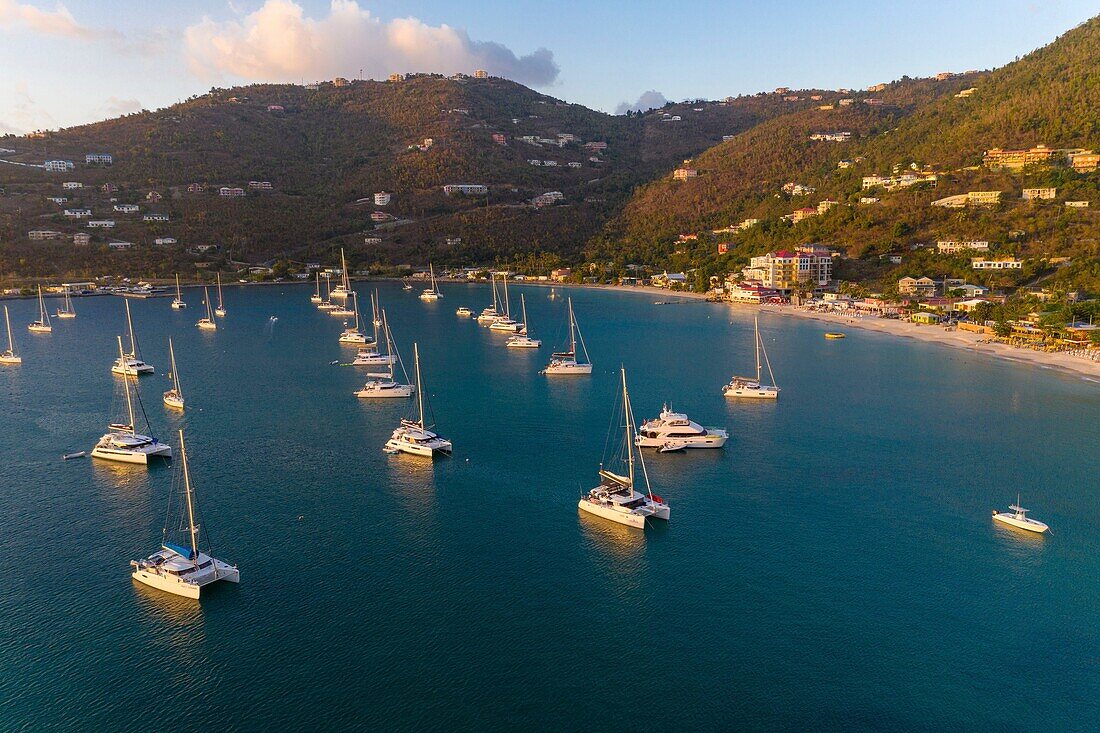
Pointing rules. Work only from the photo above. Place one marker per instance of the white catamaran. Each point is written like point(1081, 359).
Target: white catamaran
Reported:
point(9, 356)
point(343, 290)
point(352, 334)
point(174, 397)
point(382, 384)
point(327, 304)
point(176, 568)
point(492, 312)
point(178, 302)
point(433, 292)
point(220, 310)
point(523, 340)
point(122, 442)
point(66, 311)
point(754, 388)
point(566, 362)
point(130, 364)
point(616, 498)
point(506, 322)
point(207, 322)
point(42, 325)
point(316, 297)
point(416, 437)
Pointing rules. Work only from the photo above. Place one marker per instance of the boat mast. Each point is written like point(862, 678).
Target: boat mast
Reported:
point(44, 317)
point(179, 296)
point(7, 320)
point(572, 334)
point(219, 290)
point(194, 531)
point(318, 273)
point(626, 418)
point(756, 325)
point(126, 386)
point(175, 372)
point(130, 324)
point(389, 344)
point(419, 389)
point(344, 271)
point(523, 303)
point(507, 305)
point(493, 279)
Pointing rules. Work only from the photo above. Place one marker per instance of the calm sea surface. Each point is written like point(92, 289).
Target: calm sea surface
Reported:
point(835, 567)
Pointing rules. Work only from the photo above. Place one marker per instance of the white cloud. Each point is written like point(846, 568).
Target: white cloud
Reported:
point(649, 100)
point(21, 113)
point(115, 107)
point(59, 22)
point(278, 42)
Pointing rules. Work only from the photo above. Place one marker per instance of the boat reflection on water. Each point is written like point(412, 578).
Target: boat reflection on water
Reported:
point(616, 541)
point(174, 621)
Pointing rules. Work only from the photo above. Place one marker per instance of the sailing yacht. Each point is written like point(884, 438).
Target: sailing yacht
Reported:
point(565, 362)
point(174, 568)
point(415, 437)
point(220, 310)
point(9, 356)
point(174, 397)
point(674, 431)
point(382, 383)
point(1019, 519)
point(506, 322)
point(178, 303)
point(42, 325)
point(343, 290)
point(616, 498)
point(207, 323)
point(754, 388)
point(130, 364)
point(327, 304)
point(523, 340)
point(553, 295)
point(431, 293)
point(406, 285)
point(491, 313)
point(316, 297)
point(368, 354)
point(352, 335)
point(67, 310)
point(122, 442)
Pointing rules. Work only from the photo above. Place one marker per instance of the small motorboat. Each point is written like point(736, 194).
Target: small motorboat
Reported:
point(834, 335)
point(77, 454)
point(671, 448)
point(1017, 517)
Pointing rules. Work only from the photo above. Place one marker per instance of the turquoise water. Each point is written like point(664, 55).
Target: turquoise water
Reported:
point(835, 567)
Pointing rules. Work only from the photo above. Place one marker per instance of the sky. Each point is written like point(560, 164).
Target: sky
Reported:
point(77, 61)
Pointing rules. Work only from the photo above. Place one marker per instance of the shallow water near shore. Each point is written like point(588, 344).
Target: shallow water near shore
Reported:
point(835, 566)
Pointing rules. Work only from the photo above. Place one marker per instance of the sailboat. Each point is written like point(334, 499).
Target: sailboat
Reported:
point(207, 323)
point(415, 437)
point(754, 388)
point(431, 293)
point(616, 497)
point(565, 362)
point(491, 313)
point(67, 310)
point(174, 568)
point(406, 285)
point(381, 383)
point(174, 397)
point(506, 322)
point(220, 310)
point(130, 364)
point(523, 340)
point(122, 442)
point(553, 295)
point(368, 354)
point(376, 313)
point(9, 356)
point(42, 325)
point(316, 297)
point(327, 304)
point(178, 302)
point(341, 291)
point(352, 335)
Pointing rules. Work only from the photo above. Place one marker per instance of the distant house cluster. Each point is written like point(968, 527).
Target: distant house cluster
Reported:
point(547, 199)
point(1080, 160)
point(904, 180)
point(832, 137)
point(682, 174)
point(58, 166)
point(465, 189)
point(797, 189)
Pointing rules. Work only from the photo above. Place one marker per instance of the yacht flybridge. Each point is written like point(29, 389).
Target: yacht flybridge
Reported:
point(9, 356)
point(174, 397)
point(565, 363)
point(431, 293)
point(67, 310)
point(381, 383)
point(42, 325)
point(178, 567)
point(122, 442)
point(207, 322)
point(674, 431)
point(220, 310)
point(1017, 517)
point(523, 340)
point(416, 437)
point(316, 297)
point(352, 334)
point(506, 322)
point(754, 388)
point(130, 364)
point(341, 291)
point(178, 303)
point(616, 498)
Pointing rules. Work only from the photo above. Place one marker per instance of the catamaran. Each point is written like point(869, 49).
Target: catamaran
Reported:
point(207, 322)
point(416, 437)
point(753, 388)
point(343, 290)
point(42, 325)
point(565, 362)
point(1018, 518)
point(9, 356)
point(122, 442)
point(382, 383)
point(316, 297)
point(506, 322)
point(220, 310)
point(352, 335)
point(130, 364)
point(674, 431)
point(433, 292)
point(174, 397)
point(327, 304)
point(175, 568)
point(523, 340)
point(67, 310)
point(616, 498)
point(491, 313)
point(178, 302)
point(368, 354)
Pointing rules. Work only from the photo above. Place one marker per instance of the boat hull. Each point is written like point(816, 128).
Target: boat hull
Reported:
point(698, 441)
point(567, 370)
point(138, 457)
point(384, 392)
point(65, 315)
point(206, 325)
point(132, 369)
point(6, 359)
point(752, 393)
point(613, 513)
point(34, 328)
point(171, 584)
point(522, 342)
point(1028, 525)
point(172, 400)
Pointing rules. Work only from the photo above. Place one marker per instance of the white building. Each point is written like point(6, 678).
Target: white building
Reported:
point(99, 159)
point(1010, 263)
point(126, 208)
point(37, 235)
point(70, 185)
point(82, 238)
point(164, 240)
point(155, 217)
point(118, 244)
point(382, 198)
point(951, 247)
point(58, 166)
point(1037, 194)
point(465, 189)
point(101, 224)
point(230, 192)
point(78, 213)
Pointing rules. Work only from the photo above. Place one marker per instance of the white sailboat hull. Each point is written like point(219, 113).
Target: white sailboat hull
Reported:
point(509, 326)
point(65, 315)
point(10, 359)
point(430, 296)
point(567, 369)
point(132, 455)
point(39, 328)
point(756, 392)
point(191, 588)
point(353, 337)
point(614, 513)
point(696, 441)
point(178, 305)
point(132, 368)
point(377, 390)
point(523, 342)
point(173, 400)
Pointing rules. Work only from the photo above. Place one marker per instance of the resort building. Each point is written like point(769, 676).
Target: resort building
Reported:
point(983, 198)
point(465, 189)
point(1037, 194)
point(951, 247)
point(38, 235)
point(832, 137)
point(800, 214)
point(99, 159)
point(1084, 161)
point(903, 181)
point(1017, 159)
point(682, 174)
point(785, 270)
point(481, 74)
point(923, 287)
point(382, 198)
point(749, 291)
point(1009, 263)
point(561, 274)
point(58, 166)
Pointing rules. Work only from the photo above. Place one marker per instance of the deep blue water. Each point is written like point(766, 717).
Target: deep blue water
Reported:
point(835, 567)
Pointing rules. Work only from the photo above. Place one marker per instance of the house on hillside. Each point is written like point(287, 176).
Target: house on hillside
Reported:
point(1039, 194)
point(682, 174)
point(465, 189)
point(230, 192)
point(196, 188)
point(153, 197)
point(38, 235)
point(126, 208)
point(155, 217)
point(1008, 263)
point(82, 238)
point(998, 159)
point(99, 159)
point(382, 198)
point(58, 166)
point(924, 287)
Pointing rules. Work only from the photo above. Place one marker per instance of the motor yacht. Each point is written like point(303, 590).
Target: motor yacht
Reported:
point(673, 431)
point(1017, 517)
point(751, 388)
point(464, 312)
